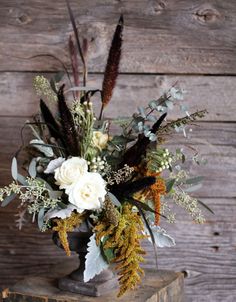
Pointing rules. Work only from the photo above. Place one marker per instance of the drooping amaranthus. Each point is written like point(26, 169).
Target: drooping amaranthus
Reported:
point(63, 226)
point(124, 240)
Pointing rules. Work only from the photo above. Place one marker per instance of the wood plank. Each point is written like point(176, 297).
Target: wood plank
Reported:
point(160, 37)
point(216, 94)
point(156, 287)
point(214, 141)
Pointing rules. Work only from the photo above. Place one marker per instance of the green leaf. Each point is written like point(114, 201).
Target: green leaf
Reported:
point(55, 194)
point(169, 184)
point(62, 205)
point(205, 206)
point(194, 180)
point(8, 199)
point(45, 182)
point(14, 171)
point(120, 140)
point(32, 168)
point(58, 76)
point(143, 206)
point(107, 253)
point(53, 85)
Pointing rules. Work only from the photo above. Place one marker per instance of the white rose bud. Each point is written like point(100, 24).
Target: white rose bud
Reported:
point(100, 139)
point(70, 171)
point(88, 193)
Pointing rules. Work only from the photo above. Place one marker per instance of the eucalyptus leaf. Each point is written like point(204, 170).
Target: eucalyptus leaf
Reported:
point(53, 85)
point(42, 147)
point(8, 199)
point(35, 133)
point(46, 183)
point(21, 179)
point(41, 218)
point(143, 206)
point(152, 118)
point(169, 184)
point(142, 112)
point(152, 104)
point(58, 76)
point(55, 194)
point(120, 140)
point(169, 104)
point(14, 170)
point(32, 168)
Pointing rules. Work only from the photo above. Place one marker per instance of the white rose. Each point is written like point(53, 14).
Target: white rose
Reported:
point(100, 139)
point(70, 171)
point(88, 193)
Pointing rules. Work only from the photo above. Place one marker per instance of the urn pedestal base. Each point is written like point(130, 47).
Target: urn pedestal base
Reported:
point(156, 286)
point(92, 288)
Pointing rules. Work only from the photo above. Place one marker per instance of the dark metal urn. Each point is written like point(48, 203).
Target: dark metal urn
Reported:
point(101, 284)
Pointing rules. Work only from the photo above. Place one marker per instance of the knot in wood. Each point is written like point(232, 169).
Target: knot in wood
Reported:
point(24, 19)
point(156, 7)
point(207, 15)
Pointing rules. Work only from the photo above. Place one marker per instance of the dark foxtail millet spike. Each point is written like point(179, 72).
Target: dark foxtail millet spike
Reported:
point(51, 123)
point(74, 61)
point(67, 122)
point(112, 66)
point(133, 155)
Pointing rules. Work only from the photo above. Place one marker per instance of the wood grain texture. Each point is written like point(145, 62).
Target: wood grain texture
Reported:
point(182, 40)
point(184, 36)
point(213, 93)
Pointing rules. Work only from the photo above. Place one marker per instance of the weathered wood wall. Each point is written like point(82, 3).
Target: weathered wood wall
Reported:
point(186, 40)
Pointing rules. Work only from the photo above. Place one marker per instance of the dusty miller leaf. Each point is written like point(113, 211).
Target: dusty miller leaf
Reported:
point(95, 262)
point(162, 239)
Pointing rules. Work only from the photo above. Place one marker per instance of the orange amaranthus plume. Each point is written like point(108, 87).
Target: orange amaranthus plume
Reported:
point(155, 191)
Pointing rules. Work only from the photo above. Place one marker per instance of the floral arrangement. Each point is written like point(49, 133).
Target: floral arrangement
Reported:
point(116, 174)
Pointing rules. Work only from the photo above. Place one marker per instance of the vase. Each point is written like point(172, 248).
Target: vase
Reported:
point(74, 282)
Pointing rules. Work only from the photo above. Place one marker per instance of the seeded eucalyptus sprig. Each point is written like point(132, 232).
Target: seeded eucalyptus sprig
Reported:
point(188, 119)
